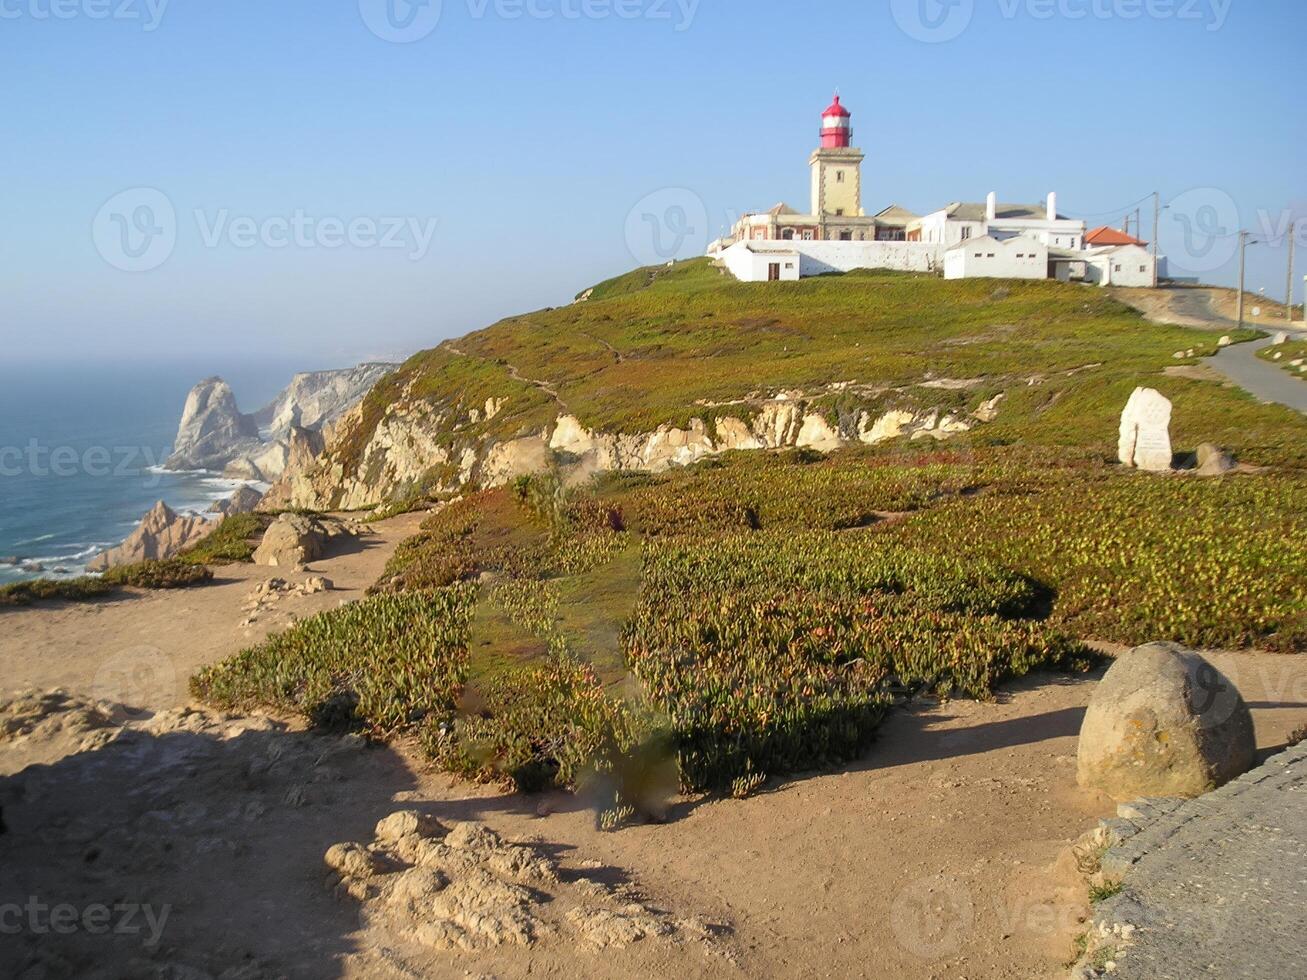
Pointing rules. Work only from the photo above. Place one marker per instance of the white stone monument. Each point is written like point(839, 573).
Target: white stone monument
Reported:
point(1146, 431)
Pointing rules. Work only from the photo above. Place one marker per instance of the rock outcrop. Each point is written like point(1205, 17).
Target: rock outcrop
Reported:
point(212, 430)
point(413, 441)
point(161, 534)
point(1145, 439)
point(294, 540)
point(465, 888)
point(215, 435)
point(1164, 722)
point(243, 501)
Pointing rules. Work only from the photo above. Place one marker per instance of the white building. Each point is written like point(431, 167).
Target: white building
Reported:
point(1121, 265)
point(959, 222)
point(961, 240)
point(990, 257)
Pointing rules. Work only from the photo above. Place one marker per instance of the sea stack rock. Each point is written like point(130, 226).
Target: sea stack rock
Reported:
point(212, 429)
point(1164, 722)
point(1145, 441)
point(161, 534)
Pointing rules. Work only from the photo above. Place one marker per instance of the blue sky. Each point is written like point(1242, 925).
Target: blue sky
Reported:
point(511, 149)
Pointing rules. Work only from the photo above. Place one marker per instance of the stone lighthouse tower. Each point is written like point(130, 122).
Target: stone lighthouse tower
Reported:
point(836, 168)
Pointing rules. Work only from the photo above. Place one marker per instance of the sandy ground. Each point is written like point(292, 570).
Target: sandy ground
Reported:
point(142, 647)
point(942, 854)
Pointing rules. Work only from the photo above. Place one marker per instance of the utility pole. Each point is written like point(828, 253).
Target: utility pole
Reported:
point(1288, 299)
point(1243, 255)
point(1157, 222)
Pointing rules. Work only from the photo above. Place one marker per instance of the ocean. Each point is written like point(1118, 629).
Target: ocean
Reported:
point(80, 449)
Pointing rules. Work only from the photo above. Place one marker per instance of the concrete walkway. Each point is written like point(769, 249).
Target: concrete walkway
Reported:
point(1217, 887)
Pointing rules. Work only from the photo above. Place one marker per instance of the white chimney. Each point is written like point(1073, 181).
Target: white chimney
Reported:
point(1052, 205)
point(991, 206)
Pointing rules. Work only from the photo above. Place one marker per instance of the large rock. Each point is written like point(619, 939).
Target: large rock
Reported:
point(243, 501)
point(294, 540)
point(1145, 440)
point(1214, 461)
point(290, 541)
point(1164, 722)
point(212, 429)
point(161, 534)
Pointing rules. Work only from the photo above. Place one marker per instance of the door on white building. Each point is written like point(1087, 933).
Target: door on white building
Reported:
point(774, 272)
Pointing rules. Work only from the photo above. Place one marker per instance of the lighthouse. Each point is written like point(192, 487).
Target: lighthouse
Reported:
point(836, 171)
point(836, 127)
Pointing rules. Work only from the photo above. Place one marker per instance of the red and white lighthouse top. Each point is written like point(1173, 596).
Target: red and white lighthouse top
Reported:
point(836, 127)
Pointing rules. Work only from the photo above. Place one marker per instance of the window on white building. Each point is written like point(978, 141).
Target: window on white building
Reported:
point(990, 255)
point(1143, 268)
point(839, 176)
point(966, 233)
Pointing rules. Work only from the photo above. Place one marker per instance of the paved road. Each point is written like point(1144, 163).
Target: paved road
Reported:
point(1265, 381)
point(1218, 888)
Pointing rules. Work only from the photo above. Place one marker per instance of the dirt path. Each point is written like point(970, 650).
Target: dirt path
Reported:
point(142, 647)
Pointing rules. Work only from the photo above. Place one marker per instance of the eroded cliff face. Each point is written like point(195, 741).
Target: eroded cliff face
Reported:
point(215, 435)
point(419, 447)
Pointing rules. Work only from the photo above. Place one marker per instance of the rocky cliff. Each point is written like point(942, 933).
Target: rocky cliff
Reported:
point(418, 446)
point(212, 431)
point(215, 435)
point(161, 534)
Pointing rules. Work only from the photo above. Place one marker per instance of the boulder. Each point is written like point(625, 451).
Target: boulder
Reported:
point(1214, 461)
point(1163, 723)
point(1145, 438)
point(290, 541)
point(243, 501)
point(1280, 338)
point(161, 534)
point(1225, 341)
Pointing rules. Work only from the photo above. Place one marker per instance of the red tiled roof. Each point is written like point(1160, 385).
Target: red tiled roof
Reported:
point(1110, 236)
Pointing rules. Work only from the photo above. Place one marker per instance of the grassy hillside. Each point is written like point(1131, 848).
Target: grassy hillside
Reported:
point(759, 613)
point(663, 345)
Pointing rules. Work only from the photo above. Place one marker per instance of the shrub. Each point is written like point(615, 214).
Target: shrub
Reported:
point(542, 726)
point(383, 664)
point(779, 652)
point(46, 590)
point(172, 573)
point(230, 542)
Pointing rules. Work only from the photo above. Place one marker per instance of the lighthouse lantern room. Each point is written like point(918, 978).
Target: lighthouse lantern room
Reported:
point(836, 128)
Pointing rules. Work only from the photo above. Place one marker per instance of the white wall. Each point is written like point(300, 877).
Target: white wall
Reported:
point(820, 257)
point(747, 265)
point(816, 258)
point(1128, 265)
point(989, 258)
